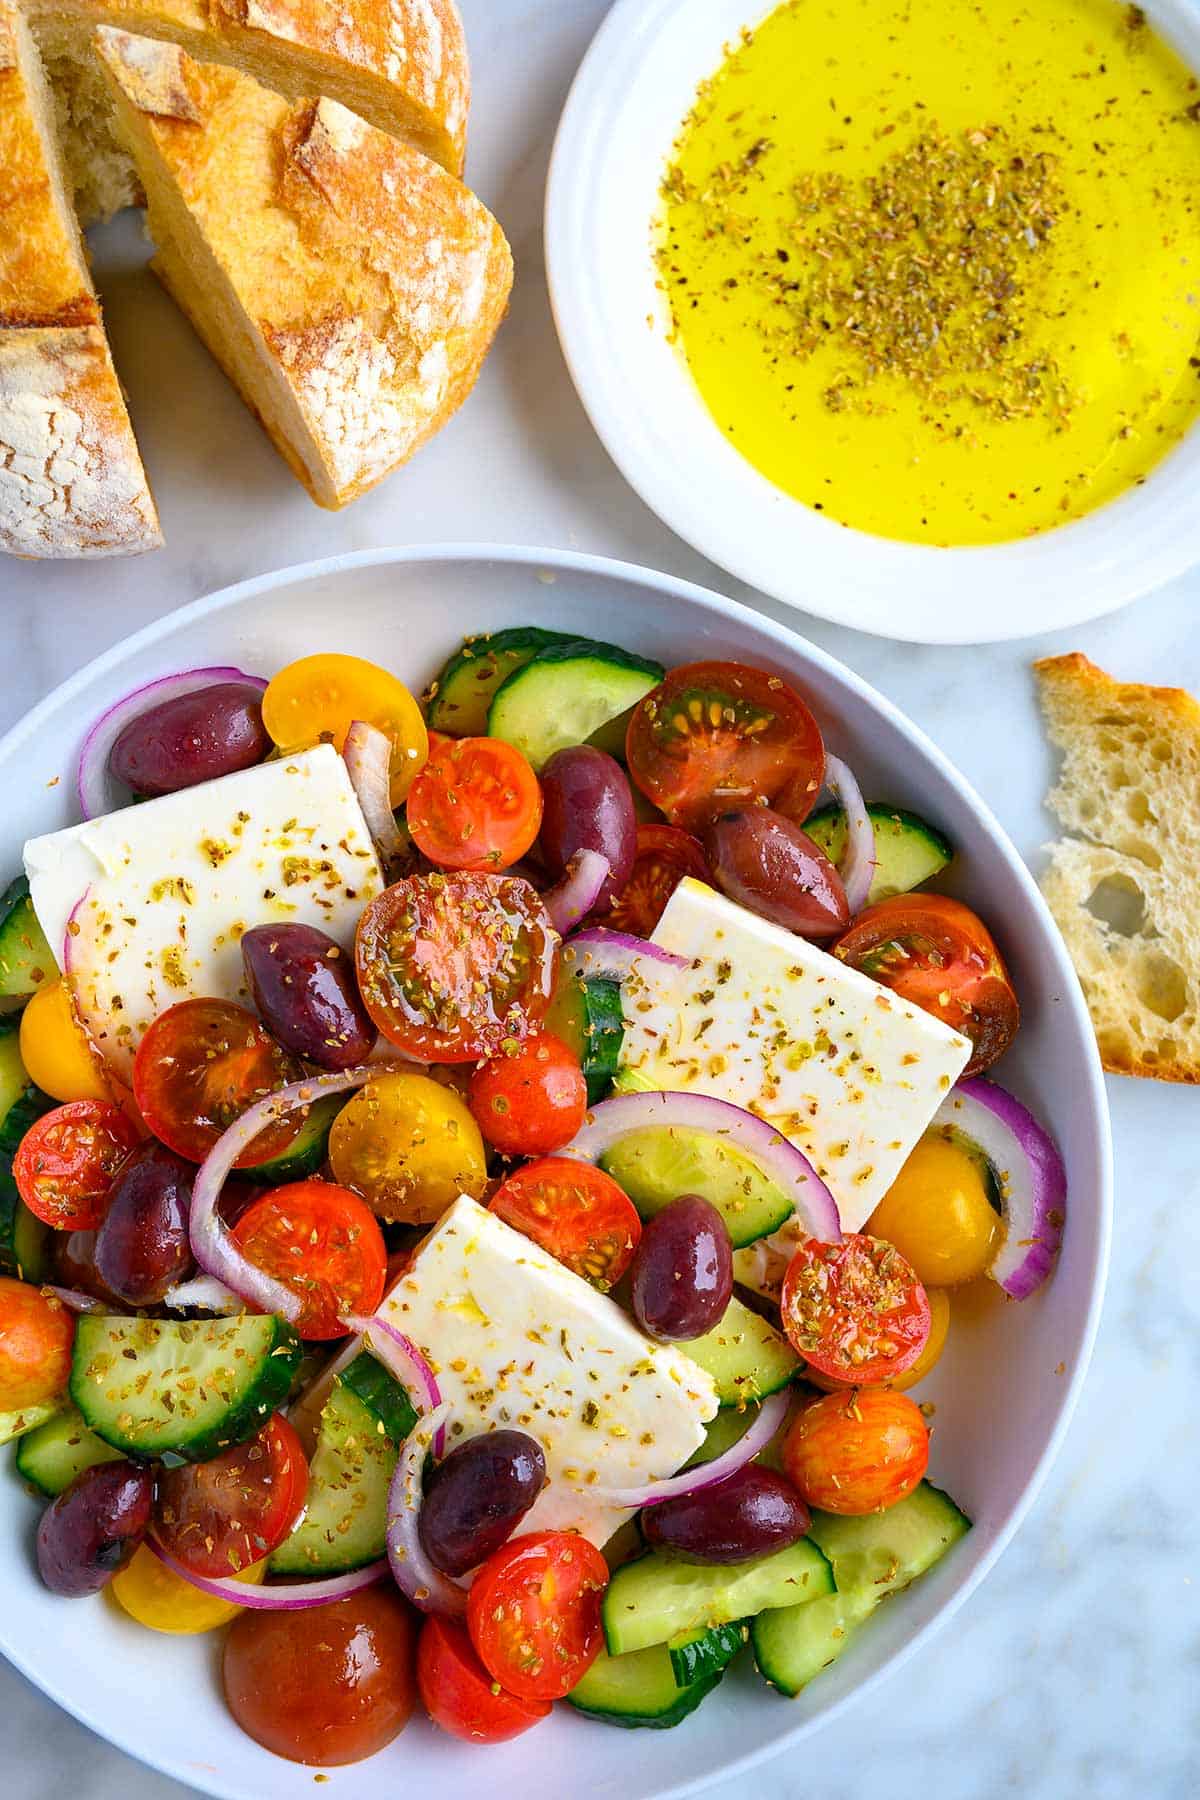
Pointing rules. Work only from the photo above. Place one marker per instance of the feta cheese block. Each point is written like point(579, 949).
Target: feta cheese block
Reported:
point(517, 1340)
point(851, 1073)
point(151, 902)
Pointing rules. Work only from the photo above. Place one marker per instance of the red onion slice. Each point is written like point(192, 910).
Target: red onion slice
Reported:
point(205, 1295)
point(429, 1590)
point(1030, 1175)
point(368, 755)
point(614, 956)
point(75, 1300)
point(572, 897)
point(93, 784)
point(297, 1597)
point(860, 857)
point(775, 1155)
point(403, 1361)
point(693, 1481)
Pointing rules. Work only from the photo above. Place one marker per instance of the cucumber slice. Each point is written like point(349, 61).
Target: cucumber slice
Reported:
point(51, 1456)
point(587, 1015)
point(663, 1596)
point(345, 1521)
point(567, 694)
point(909, 849)
point(305, 1154)
point(27, 1418)
point(722, 1433)
point(638, 1690)
point(707, 1651)
point(872, 1557)
point(150, 1387)
point(26, 959)
point(658, 1163)
point(24, 1240)
point(381, 1394)
point(458, 701)
point(745, 1355)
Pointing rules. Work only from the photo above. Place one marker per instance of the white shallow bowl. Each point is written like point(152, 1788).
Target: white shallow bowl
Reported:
point(633, 91)
point(1003, 1392)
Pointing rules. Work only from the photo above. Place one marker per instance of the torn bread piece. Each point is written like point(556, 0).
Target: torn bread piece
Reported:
point(349, 286)
point(71, 479)
point(1124, 885)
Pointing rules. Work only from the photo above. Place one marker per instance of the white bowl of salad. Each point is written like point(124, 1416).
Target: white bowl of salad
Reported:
point(512, 1134)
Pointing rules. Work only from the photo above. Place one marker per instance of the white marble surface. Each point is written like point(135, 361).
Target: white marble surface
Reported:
point(1076, 1670)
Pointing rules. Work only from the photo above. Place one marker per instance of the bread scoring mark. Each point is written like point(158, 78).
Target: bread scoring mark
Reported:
point(153, 73)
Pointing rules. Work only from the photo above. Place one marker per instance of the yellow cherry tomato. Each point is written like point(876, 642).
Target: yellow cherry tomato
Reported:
point(55, 1051)
point(318, 698)
point(409, 1146)
point(938, 1215)
point(935, 1343)
point(158, 1598)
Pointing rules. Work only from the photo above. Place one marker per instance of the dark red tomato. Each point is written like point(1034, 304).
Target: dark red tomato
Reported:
point(219, 1517)
point(855, 1310)
point(325, 1244)
point(715, 736)
point(202, 1065)
point(475, 805)
point(534, 1613)
point(460, 1695)
point(327, 1686)
point(454, 968)
point(664, 856)
point(940, 956)
point(576, 1213)
point(68, 1161)
point(532, 1102)
point(857, 1452)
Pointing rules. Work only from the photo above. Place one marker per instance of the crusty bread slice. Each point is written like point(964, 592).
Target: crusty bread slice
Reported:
point(401, 64)
point(348, 285)
point(1124, 886)
point(71, 479)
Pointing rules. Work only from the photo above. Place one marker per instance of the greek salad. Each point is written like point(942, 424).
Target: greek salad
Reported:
point(482, 1179)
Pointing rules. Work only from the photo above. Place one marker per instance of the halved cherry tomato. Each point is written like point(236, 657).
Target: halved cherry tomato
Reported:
point(316, 700)
point(534, 1613)
point(716, 735)
point(533, 1101)
point(939, 955)
point(222, 1516)
point(857, 1451)
point(460, 1695)
point(36, 1335)
point(409, 1146)
point(55, 1049)
point(854, 1310)
point(455, 967)
point(68, 1159)
point(324, 1243)
point(201, 1065)
point(575, 1212)
point(161, 1600)
point(475, 805)
point(664, 856)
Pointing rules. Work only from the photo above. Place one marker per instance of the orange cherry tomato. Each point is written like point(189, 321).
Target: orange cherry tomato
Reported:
point(940, 956)
point(576, 1213)
point(68, 1159)
point(460, 1696)
point(857, 1451)
point(36, 1335)
point(316, 699)
point(534, 1613)
point(854, 1310)
point(201, 1065)
point(531, 1102)
point(476, 804)
point(325, 1244)
point(221, 1517)
point(663, 857)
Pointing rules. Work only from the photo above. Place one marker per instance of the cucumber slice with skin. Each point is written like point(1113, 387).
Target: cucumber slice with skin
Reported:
point(909, 850)
point(51, 1456)
point(709, 1651)
point(638, 1690)
point(587, 1016)
point(150, 1387)
point(658, 1163)
point(26, 959)
point(457, 702)
point(27, 1418)
point(663, 1596)
point(745, 1355)
point(381, 1394)
point(722, 1433)
point(567, 694)
point(345, 1521)
point(305, 1154)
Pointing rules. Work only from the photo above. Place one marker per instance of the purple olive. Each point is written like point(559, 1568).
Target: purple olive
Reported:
point(477, 1496)
point(772, 868)
point(748, 1514)
point(304, 988)
point(94, 1527)
point(588, 805)
point(142, 1246)
point(682, 1271)
point(192, 738)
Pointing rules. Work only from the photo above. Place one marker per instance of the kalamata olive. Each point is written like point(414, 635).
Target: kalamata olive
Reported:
point(142, 1242)
point(192, 738)
point(750, 1513)
point(477, 1496)
point(304, 988)
point(588, 805)
point(75, 1264)
point(770, 866)
point(94, 1527)
point(682, 1271)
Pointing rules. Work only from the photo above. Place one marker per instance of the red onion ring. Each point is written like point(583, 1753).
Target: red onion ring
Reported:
point(368, 754)
point(614, 955)
point(295, 1598)
point(92, 781)
point(705, 1475)
point(860, 857)
point(206, 1295)
point(75, 1300)
point(775, 1154)
point(573, 896)
point(1030, 1175)
point(429, 1590)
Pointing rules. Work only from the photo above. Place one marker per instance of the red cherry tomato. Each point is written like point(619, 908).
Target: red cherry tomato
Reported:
point(460, 1695)
point(854, 1310)
point(36, 1335)
point(939, 955)
point(220, 1517)
point(664, 856)
point(858, 1451)
point(534, 1613)
point(453, 968)
point(67, 1162)
point(717, 735)
point(575, 1212)
point(202, 1065)
point(325, 1244)
point(475, 805)
point(531, 1102)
